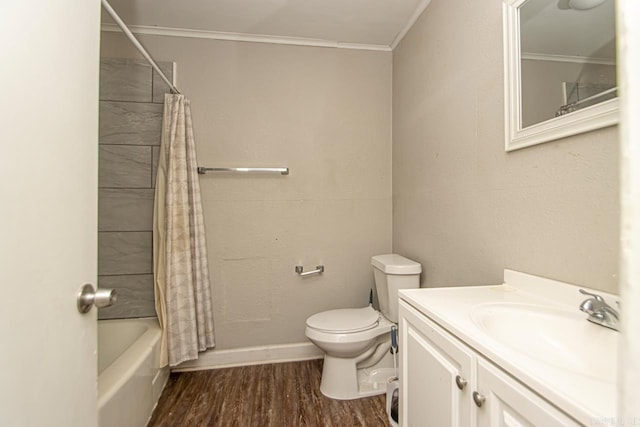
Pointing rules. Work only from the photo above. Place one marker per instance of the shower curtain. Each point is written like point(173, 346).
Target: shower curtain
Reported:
point(181, 272)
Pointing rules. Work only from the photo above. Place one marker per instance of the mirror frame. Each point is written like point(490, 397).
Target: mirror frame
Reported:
point(590, 118)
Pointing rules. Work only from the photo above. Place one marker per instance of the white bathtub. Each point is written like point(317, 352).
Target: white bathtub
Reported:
point(129, 381)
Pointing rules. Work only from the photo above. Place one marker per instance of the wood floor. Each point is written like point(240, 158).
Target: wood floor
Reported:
point(283, 394)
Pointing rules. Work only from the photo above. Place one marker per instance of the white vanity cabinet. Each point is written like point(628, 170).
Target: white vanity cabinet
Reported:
point(439, 376)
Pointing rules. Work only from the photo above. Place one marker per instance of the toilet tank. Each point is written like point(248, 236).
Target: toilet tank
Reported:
point(393, 272)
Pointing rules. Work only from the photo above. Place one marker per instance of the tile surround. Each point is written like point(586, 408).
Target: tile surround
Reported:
point(124, 166)
point(129, 209)
point(125, 80)
point(131, 104)
point(130, 123)
point(124, 252)
point(135, 295)
point(154, 164)
point(159, 86)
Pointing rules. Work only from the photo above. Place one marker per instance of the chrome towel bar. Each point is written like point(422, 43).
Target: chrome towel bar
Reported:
point(319, 270)
point(282, 171)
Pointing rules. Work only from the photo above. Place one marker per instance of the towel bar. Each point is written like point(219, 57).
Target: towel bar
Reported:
point(319, 270)
point(282, 171)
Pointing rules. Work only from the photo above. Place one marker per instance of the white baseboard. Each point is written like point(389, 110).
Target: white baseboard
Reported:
point(214, 359)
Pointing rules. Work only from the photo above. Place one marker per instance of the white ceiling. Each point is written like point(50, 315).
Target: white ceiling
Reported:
point(548, 26)
point(551, 27)
point(369, 22)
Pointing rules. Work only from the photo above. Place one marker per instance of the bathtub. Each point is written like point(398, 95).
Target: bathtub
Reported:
point(129, 380)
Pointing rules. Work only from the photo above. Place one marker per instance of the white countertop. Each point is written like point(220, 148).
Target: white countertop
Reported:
point(588, 399)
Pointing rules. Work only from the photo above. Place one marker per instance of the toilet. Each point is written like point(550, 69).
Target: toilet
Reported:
point(356, 341)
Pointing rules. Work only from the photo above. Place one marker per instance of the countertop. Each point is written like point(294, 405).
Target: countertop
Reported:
point(588, 399)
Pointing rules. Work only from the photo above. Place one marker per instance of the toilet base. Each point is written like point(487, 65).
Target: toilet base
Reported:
point(373, 381)
point(342, 380)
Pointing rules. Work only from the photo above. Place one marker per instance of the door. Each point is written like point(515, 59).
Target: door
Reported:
point(507, 403)
point(48, 210)
point(436, 377)
point(628, 41)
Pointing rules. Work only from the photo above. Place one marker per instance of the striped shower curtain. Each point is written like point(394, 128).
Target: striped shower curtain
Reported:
point(181, 272)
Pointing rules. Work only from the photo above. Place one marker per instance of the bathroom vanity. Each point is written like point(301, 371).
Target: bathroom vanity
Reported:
point(516, 354)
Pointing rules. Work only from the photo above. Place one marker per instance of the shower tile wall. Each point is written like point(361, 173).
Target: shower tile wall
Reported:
point(131, 97)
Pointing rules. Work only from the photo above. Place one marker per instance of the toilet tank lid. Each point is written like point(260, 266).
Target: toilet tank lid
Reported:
point(395, 264)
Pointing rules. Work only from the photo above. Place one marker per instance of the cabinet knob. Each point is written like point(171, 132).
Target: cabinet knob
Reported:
point(478, 399)
point(460, 382)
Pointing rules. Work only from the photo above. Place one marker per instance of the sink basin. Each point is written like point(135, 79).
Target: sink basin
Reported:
point(557, 337)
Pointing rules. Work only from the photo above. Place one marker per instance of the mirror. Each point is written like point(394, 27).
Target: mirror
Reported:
point(560, 69)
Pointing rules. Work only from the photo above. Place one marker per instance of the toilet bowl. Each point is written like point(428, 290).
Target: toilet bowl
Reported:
point(347, 332)
point(356, 341)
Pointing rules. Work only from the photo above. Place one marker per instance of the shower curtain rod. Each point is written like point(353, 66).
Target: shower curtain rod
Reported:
point(137, 44)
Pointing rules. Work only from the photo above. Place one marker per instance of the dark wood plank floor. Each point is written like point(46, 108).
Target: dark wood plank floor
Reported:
point(283, 394)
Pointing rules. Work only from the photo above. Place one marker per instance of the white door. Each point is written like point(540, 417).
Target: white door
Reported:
point(436, 375)
point(48, 210)
point(507, 403)
point(628, 41)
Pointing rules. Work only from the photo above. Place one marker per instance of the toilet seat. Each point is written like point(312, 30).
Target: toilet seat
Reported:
point(341, 339)
point(345, 320)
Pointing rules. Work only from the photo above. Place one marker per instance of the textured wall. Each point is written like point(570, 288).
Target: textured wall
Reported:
point(130, 123)
point(324, 113)
point(465, 208)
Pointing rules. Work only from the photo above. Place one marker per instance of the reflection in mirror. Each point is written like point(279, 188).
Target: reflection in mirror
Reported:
point(568, 57)
point(560, 69)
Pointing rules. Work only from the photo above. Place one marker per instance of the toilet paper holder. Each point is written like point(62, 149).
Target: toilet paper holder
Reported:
point(319, 270)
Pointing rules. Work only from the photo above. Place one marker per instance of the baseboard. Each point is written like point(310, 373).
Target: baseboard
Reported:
point(215, 359)
point(157, 386)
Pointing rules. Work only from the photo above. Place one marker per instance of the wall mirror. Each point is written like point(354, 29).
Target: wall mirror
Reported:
point(560, 69)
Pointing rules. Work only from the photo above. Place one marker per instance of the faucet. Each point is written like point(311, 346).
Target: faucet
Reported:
point(599, 311)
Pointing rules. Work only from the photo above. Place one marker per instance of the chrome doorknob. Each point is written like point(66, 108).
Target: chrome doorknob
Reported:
point(88, 297)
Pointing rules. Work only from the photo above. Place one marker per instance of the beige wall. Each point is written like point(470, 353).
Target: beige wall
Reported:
point(324, 113)
point(462, 206)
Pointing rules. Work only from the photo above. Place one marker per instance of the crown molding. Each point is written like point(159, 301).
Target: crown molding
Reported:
point(255, 38)
point(566, 58)
point(421, 7)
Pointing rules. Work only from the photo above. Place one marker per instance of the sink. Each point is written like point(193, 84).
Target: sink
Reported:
point(557, 337)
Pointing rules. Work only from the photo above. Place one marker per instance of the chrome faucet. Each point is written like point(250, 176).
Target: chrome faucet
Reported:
point(599, 311)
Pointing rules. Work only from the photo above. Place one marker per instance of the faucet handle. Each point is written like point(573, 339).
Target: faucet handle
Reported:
point(596, 296)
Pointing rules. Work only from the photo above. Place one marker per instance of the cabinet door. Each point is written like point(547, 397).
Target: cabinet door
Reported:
point(510, 404)
point(429, 364)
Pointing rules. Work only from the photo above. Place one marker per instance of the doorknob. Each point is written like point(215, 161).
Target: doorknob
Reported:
point(88, 297)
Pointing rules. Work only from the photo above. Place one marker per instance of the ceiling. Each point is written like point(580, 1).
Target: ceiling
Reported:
point(551, 27)
point(548, 26)
point(374, 23)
